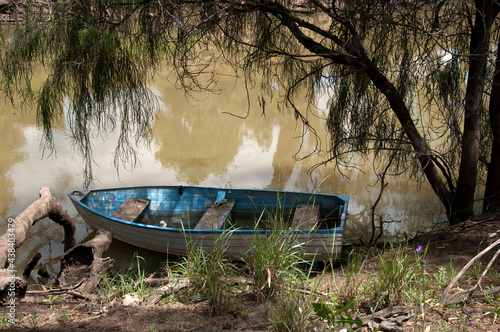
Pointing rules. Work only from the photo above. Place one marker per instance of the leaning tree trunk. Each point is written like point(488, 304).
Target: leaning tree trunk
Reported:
point(17, 229)
point(357, 57)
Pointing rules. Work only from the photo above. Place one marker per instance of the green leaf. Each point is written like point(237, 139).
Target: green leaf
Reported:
point(83, 35)
point(111, 43)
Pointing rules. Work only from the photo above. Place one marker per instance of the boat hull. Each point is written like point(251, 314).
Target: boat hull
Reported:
point(96, 209)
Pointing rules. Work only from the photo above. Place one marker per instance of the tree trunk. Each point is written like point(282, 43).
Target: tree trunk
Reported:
point(463, 203)
point(491, 201)
point(45, 206)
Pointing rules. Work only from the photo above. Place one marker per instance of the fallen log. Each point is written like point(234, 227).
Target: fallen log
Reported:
point(82, 266)
point(45, 206)
point(17, 229)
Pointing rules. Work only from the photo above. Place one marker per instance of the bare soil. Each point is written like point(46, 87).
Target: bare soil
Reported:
point(459, 243)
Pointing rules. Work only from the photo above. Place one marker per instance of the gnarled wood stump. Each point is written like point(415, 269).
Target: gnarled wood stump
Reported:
point(82, 266)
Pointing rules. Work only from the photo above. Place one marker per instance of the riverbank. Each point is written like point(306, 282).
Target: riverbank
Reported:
point(419, 272)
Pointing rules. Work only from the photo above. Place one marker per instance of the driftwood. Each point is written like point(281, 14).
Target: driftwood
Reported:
point(83, 265)
point(17, 229)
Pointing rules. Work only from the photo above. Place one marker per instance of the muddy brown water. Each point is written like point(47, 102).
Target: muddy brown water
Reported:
point(195, 143)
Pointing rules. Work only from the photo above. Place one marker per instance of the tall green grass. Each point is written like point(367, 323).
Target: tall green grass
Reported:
point(209, 273)
point(400, 278)
point(354, 283)
point(274, 257)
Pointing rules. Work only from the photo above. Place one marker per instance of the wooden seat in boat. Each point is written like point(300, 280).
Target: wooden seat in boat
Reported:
point(305, 217)
point(216, 213)
point(131, 209)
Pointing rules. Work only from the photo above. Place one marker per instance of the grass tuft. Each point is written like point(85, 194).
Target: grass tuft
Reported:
point(114, 286)
point(274, 258)
point(209, 273)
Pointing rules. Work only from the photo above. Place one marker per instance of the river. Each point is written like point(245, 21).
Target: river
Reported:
point(196, 142)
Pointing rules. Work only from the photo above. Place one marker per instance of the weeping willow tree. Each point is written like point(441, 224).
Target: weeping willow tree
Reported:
point(415, 82)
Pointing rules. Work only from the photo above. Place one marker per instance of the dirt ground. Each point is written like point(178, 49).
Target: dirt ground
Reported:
point(460, 243)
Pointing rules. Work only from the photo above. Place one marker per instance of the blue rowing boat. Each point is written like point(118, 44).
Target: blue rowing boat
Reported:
point(170, 218)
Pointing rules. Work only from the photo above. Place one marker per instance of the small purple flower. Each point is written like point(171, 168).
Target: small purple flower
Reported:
point(423, 261)
point(419, 249)
point(382, 293)
point(469, 316)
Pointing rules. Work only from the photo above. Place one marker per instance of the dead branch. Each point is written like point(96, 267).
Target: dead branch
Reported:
point(31, 265)
point(83, 296)
point(444, 296)
point(152, 282)
point(48, 291)
point(166, 290)
point(37, 280)
point(462, 296)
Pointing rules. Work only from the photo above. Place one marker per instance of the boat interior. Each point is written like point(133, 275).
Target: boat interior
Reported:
point(223, 212)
